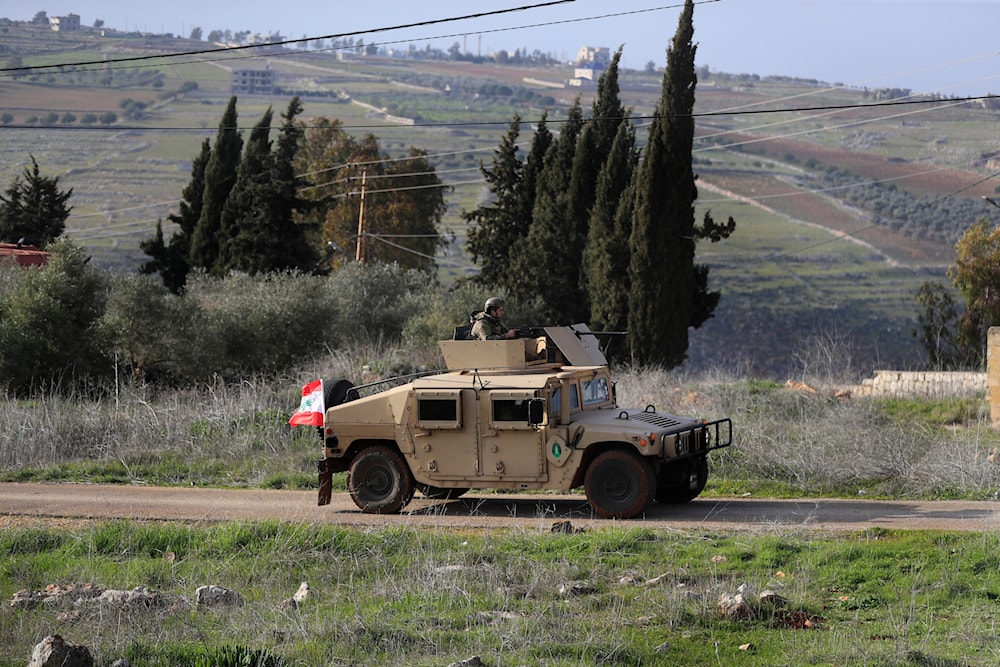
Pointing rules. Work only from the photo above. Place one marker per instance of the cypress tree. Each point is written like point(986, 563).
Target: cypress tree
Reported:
point(172, 261)
point(243, 237)
point(156, 249)
point(534, 163)
point(607, 252)
point(595, 142)
point(495, 226)
point(293, 247)
point(662, 240)
point(220, 175)
point(668, 291)
point(553, 244)
point(592, 153)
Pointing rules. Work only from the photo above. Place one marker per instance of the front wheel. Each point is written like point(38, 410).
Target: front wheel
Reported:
point(682, 481)
point(379, 481)
point(619, 484)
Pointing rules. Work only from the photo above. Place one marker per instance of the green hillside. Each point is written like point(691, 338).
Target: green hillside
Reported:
point(841, 212)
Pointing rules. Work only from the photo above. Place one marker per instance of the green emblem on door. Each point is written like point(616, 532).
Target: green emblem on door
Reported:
point(556, 450)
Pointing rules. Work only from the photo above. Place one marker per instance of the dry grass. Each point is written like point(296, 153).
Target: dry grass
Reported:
point(797, 440)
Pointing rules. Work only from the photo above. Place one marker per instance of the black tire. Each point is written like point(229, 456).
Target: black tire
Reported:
point(379, 481)
point(682, 481)
point(619, 484)
point(438, 493)
point(336, 392)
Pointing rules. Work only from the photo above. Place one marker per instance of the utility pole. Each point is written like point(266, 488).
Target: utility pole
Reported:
point(359, 254)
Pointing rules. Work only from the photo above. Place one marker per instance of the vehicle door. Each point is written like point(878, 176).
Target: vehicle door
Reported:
point(509, 448)
point(443, 430)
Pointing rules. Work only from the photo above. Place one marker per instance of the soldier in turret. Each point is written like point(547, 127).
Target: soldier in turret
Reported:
point(488, 324)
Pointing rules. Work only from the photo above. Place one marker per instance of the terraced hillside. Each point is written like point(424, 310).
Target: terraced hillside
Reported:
point(842, 212)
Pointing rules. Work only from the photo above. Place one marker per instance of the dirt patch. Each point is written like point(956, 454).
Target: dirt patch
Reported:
point(18, 98)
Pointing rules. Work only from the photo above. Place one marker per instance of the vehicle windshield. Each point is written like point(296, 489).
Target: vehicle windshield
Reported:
point(595, 391)
point(574, 399)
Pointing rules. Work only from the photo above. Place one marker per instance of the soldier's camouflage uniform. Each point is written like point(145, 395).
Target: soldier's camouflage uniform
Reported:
point(487, 327)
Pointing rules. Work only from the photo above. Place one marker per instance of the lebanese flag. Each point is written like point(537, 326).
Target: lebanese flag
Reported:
point(310, 412)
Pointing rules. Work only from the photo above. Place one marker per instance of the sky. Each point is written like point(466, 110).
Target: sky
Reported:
point(946, 46)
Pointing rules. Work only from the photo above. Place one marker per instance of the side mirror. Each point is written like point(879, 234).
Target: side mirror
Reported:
point(536, 412)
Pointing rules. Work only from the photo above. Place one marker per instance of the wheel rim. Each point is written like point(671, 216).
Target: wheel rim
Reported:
point(378, 483)
point(619, 489)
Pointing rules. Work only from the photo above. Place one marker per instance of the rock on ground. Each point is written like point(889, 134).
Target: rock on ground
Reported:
point(54, 651)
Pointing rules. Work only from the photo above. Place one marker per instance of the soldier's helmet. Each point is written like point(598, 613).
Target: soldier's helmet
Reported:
point(493, 303)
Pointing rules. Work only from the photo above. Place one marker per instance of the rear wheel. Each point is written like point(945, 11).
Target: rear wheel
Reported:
point(379, 481)
point(682, 481)
point(439, 493)
point(619, 484)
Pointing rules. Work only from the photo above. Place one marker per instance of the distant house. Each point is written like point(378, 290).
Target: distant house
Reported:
point(23, 254)
point(253, 81)
point(585, 76)
point(67, 23)
point(591, 61)
point(593, 56)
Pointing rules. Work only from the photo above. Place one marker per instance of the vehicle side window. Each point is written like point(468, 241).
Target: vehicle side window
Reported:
point(510, 410)
point(439, 409)
point(574, 399)
point(595, 391)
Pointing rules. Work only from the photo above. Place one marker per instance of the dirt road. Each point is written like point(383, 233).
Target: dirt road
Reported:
point(93, 501)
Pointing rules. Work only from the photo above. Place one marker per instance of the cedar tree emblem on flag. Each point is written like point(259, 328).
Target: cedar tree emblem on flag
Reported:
point(310, 412)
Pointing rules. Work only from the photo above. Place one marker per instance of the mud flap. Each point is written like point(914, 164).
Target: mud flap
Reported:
point(325, 483)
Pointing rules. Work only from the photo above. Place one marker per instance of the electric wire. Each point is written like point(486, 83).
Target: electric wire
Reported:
point(109, 64)
point(242, 47)
point(832, 109)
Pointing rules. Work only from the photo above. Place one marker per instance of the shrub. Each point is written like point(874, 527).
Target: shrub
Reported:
point(150, 330)
point(48, 318)
point(374, 301)
point(263, 324)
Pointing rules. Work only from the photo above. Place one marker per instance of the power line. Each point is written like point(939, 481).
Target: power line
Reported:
point(241, 47)
point(105, 63)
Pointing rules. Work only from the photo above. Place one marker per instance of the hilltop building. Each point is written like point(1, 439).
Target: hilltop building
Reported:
point(68, 23)
point(589, 56)
point(253, 81)
point(591, 61)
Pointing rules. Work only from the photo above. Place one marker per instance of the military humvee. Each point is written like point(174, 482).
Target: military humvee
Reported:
point(527, 413)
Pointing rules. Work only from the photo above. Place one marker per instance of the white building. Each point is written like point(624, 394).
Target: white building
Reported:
point(589, 56)
point(67, 23)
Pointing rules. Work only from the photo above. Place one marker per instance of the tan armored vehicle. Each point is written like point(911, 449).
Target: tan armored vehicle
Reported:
point(528, 413)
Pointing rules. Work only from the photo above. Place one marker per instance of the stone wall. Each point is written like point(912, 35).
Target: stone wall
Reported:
point(933, 384)
point(928, 384)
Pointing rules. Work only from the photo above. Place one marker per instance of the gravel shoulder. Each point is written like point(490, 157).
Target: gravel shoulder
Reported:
point(74, 503)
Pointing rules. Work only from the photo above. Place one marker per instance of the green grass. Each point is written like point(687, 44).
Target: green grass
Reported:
point(936, 413)
point(393, 595)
